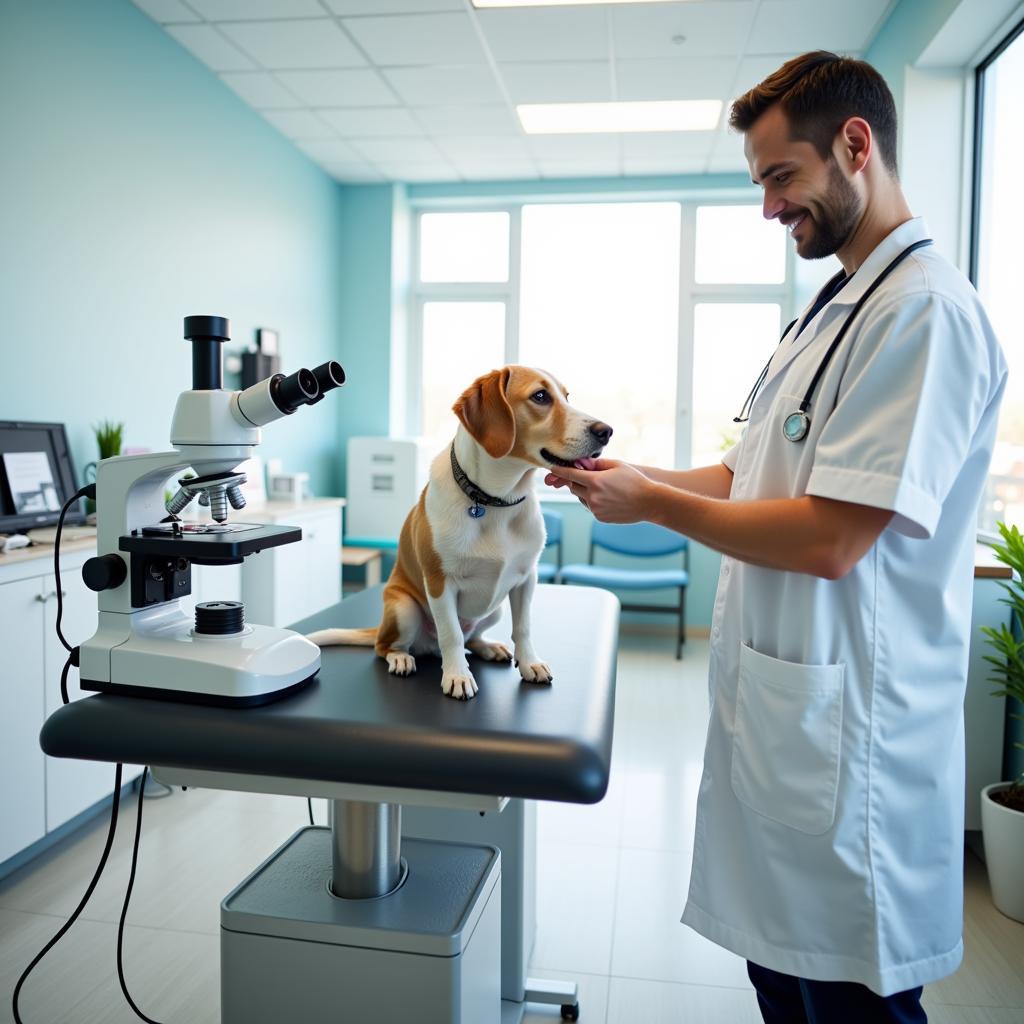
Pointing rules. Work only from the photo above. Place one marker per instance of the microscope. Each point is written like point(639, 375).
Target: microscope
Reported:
point(145, 644)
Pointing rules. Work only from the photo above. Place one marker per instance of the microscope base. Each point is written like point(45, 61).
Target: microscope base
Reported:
point(428, 953)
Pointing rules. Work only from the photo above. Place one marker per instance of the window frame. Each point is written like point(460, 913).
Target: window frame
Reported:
point(977, 132)
point(690, 292)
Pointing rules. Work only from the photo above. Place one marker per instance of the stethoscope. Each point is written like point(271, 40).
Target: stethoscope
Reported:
point(796, 425)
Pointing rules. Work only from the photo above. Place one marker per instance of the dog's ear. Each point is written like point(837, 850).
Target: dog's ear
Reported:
point(484, 410)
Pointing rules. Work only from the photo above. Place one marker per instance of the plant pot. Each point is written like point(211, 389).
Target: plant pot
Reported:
point(1003, 832)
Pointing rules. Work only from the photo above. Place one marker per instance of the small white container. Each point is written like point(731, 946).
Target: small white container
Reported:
point(1003, 832)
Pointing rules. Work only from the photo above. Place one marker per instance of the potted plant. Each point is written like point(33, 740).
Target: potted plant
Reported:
point(109, 436)
point(1002, 804)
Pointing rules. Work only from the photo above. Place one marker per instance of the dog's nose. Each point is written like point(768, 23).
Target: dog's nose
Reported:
point(601, 431)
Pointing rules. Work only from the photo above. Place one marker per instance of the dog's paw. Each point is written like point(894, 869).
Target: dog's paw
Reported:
point(535, 671)
point(489, 651)
point(459, 684)
point(400, 663)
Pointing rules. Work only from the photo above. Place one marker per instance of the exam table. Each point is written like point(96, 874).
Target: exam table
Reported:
point(352, 922)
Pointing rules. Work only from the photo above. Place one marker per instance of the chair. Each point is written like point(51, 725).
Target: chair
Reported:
point(639, 540)
point(546, 572)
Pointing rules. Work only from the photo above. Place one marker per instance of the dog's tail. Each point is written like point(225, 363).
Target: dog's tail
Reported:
point(353, 637)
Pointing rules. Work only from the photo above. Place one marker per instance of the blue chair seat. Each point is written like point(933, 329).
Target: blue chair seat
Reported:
point(623, 579)
point(546, 572)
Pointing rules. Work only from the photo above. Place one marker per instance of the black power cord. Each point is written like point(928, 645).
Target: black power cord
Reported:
point(85, 899)
point(309, 801)
point(89, 491)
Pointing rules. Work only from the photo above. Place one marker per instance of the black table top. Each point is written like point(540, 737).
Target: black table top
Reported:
point(355, 723)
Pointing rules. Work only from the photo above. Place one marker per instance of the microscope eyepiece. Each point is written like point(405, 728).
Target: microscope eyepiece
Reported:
point(299, 388)
point(207, 334)
point(329, 375)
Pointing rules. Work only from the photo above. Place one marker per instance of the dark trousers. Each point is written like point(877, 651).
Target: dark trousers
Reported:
point(787, 1000)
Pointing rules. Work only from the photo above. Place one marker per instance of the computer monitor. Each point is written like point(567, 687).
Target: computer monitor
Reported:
point(37, 476)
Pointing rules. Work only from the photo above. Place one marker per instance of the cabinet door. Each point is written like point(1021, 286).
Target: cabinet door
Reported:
point(71, 785)
point(22, 793)
point(321, 541)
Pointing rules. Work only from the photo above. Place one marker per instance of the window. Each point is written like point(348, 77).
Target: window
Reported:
point(599, 308)
point(998, 225)
point(656, 315)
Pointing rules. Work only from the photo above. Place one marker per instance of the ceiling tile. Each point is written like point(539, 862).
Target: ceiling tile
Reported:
point(800, 25)
point(558, 33)
point(683, 165)
point(206, 43)
point(399, 150)
point(393, 6)
point(575, 148)
point(452, 84)
point(248, 10)
point(298, 124)
point(679, 78)
point(552, 82)
point(716, 29)
point(497, 170)
point(418, 39)
point(379, 122)
point(260, 90)
point(483, 120)
point(486, 148)
point(314, 43)
point(580, 169)
point(359, 87)
point(667, 145)
point(399, 171)
point(353, 173)
point(166, 10)
point(329, 151)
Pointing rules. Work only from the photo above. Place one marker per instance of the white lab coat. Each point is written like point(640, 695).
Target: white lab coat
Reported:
point(829, 837)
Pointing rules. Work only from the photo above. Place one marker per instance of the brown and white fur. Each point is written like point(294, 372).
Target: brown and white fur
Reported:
point(452, 571)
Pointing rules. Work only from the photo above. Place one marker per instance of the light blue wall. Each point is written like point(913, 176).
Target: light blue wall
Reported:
point(137, 189)
point(903, 37)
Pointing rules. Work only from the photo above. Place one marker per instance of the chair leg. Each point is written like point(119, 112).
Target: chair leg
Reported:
point(681, 639)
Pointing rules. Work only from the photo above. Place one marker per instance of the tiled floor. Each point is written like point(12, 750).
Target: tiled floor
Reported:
point(611, 887)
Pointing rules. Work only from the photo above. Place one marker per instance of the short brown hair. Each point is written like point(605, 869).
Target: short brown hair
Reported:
point(818, 92)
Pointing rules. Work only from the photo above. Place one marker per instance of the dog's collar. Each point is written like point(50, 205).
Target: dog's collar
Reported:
point(480, 498)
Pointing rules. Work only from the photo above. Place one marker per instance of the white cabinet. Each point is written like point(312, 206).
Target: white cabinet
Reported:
point(37, 793)
point(285, 584)
point(71, 785)
point(22, 772)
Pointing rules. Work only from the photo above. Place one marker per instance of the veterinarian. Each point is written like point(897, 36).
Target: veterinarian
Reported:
point(829, 838)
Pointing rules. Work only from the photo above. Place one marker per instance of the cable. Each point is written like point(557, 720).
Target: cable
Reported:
point(64, 676)
point(88, 491)
point(124, 909)
point(309, 801)
point(85, 899)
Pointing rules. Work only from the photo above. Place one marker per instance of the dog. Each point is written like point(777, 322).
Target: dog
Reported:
point(476, 533)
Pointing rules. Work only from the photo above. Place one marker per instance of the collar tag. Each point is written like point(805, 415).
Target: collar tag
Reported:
point(476, 511)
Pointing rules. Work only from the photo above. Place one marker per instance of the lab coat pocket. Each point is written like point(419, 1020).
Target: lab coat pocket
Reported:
point(786, 740)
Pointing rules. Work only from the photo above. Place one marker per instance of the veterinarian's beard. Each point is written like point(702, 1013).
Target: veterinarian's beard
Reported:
point(835, 219)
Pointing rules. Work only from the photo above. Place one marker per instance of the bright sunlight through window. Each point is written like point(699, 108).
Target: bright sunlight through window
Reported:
point(599, 307)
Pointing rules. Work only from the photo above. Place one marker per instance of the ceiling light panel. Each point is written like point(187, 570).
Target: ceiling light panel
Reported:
point(656, 116)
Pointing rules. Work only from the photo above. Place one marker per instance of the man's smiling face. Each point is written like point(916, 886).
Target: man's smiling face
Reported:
point(808, 194)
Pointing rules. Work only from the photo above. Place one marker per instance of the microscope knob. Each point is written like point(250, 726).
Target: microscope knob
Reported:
point(104, 572)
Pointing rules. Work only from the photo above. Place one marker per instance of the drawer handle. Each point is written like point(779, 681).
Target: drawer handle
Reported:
point(53, 593)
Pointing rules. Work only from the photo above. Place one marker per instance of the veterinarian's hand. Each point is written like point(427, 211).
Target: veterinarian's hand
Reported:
point(615, 492)
point(553, 480)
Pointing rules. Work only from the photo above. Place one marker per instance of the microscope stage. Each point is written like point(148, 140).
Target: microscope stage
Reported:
point(200, 544)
